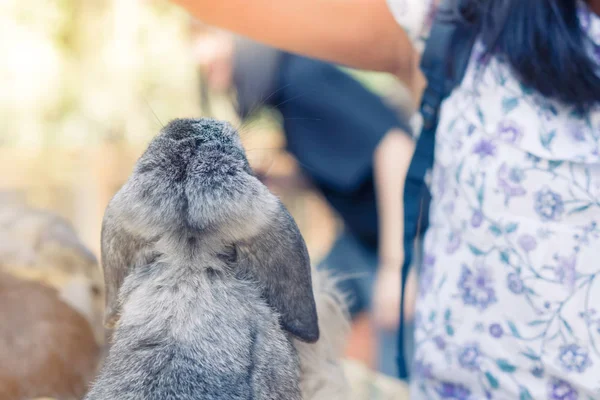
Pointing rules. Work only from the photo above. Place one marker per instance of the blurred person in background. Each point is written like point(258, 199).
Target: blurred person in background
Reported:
point(510, 268)
point(354, 148)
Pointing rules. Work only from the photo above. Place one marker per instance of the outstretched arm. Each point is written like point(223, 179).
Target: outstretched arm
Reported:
point(357, 33)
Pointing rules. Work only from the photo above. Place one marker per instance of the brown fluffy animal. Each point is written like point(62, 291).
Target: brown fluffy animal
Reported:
point(41, 246)
point(46, 347)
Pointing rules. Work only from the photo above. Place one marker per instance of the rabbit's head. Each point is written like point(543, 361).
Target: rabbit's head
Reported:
point(194, 186)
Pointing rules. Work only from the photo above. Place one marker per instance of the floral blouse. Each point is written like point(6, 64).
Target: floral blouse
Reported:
point(509, 298)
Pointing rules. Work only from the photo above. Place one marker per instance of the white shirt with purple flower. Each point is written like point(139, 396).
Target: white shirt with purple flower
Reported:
point(509, 298)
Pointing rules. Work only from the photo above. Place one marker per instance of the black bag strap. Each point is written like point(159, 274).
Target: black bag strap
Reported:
point(444, 63)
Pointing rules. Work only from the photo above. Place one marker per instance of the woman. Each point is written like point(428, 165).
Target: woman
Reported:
point(508, 280)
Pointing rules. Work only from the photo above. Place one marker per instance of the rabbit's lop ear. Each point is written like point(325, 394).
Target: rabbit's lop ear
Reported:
point(277, 257)
point(121, 253)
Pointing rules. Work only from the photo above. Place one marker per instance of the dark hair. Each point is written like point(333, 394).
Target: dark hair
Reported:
point(543, 42)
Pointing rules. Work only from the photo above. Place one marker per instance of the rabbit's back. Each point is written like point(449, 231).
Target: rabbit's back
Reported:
point(46, 347)
point(197, 335)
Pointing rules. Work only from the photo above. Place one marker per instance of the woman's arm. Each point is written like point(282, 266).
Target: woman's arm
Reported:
point(391, 162)
point(357, 33)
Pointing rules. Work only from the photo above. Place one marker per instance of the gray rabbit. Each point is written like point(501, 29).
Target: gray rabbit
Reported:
point(208, 280)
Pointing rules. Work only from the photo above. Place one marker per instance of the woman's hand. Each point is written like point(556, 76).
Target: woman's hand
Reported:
point(214, 55)
point(386, 297)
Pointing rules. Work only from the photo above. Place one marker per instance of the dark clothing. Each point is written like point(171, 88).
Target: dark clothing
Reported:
point(332, 125)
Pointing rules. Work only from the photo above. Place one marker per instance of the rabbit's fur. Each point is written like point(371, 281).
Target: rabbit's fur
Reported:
point(46, 347)
point(40, 246)
point(322, 375)
point(209, 280)
point(36, 234)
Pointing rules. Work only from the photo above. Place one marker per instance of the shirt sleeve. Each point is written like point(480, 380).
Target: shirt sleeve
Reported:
point(415, 17)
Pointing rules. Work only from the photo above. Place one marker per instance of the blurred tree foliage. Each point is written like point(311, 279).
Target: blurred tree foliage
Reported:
point(78, 73)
